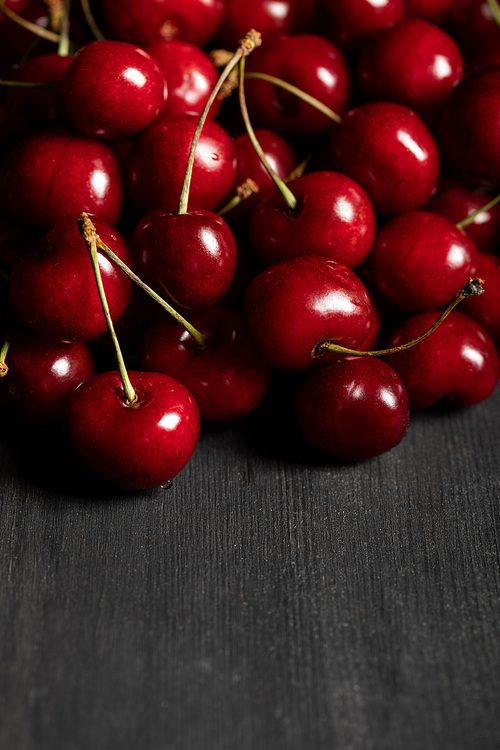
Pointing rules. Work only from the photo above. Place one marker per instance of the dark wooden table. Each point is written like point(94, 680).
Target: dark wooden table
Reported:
point(271, 600)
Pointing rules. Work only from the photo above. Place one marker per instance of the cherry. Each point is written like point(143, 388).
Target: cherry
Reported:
point(436, 11)
point(52, 289)
point(485, 309)
point(390, 152)
point(269, 16)
point(135, 446)
point(113, 90)
point(15, 39)
point(479, 35)
point(458, 362)
point(228, 379)
point(312, 64)
point(421, 79)
point(470, 125)
point(155, 167)
point(353, 22)
point(293, 306)
point(15, 241)
point(55, 173)
point(353, 409)
point(42, 376)
point(334, 218)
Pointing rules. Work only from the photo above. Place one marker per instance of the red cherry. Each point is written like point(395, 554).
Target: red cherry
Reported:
point(140, 446)
point(293, 306)
point(458, 362)
point(334, 218)
point(479, 35)
point(16, 39)
point(228, 379)
point(352, 22)
point(42, 376)
point(56, 173)
point(388, 149)
point(157, 162)
point(485, 309)
point(353, 409)
point(53, 290)
point(268, 16)
point(420, 260)
point(312, 64)
point(113, 90)
point(436, 11)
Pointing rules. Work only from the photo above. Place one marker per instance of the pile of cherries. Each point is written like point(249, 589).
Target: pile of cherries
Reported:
point(379, 121)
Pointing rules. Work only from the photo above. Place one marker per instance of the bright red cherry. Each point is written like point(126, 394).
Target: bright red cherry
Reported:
point(56, 173)
point(458, 362)
point(485, 308)
point(293, 306)
point(353, 22)
point(113, 90)
point(268, 16)
point(137, 446)
point(390, 152)
point(353, 409)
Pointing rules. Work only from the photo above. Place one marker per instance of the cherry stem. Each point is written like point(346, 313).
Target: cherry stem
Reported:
point(88, 232)
point(495, 10)
point(28, 25)
point(31, 84)
point(243, 191)
point(285, 191)
point(247, 45)
point(300, 168)
point(297, 92)
point(63, 47)
point(3, 354)
point(470, 219)
point(91, 22)
point(473, 286)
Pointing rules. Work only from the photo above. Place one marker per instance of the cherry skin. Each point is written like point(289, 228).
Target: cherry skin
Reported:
point(312, 64)
point(457, 363)
point(390, 152)
point(353, 22)
point(334, 218)
point(355, 409)
point(485, 309)
point(191, 257)
point(293, 306)
point(268, 16)
point(479, 35)
point(420, 261)
point(42, 376)
point(56, 173)
point(155, 167)
point(228, 379)
point(113, 90)
point(53, 290)
point(421, 79)
point(140, 446)
point(471, 123)
point(16, 39)
point(435, 11)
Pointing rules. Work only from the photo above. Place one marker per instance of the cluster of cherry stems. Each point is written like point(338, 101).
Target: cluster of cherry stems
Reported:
point(377, 150)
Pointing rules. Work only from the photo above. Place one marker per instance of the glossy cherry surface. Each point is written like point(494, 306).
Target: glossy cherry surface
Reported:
point(228, 379)
point(140, 446)
point(485, 309)
point(113, 90)
point(53, 290)
point(353, 409)
point(391, 153)
point(293, 306)
point(334, 218)
point(352, 22)
point(268, 16)
point(56, 173)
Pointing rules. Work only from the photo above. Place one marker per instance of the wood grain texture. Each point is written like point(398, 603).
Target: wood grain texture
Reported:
point(269, 601)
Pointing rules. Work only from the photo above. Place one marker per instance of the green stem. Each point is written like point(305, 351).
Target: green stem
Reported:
point(64, 43)
point(495, 10)
point(31, 84)
point(473, 286)
point(470, 219)
point(251, 40)
point(91, 22)
point(244, 191)
point(88, 232)
point(3, 354)
point(28, 25)
point(297, 92)
point(285, 191)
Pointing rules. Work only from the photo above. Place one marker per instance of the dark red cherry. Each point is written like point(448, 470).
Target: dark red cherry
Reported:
point(470, 125)
point(42, 376)
point(56, 173)
point(268, 16)
point(312, 64)
point(353, 22)
point(157, 162)
point(423, 79)
point(138, 446)
point(293, 306)
point(195, 21)
point(390, 152)
point(436, 11)
point(228, 379)
point(420, 260)
point(16, 40)
point(479, 35)
point(353, 409)
point(485, 309)
point(15, 241)
point(458, 362)
point(191, 257)
point(334, 218)
point(113, 90)
point(190, 75)
point(53, 290)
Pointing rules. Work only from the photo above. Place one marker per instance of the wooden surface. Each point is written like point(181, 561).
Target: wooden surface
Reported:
point(269, 601)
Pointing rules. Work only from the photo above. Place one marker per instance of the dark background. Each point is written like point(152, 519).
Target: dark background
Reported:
point(271, 600)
